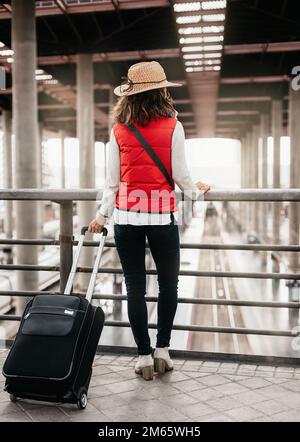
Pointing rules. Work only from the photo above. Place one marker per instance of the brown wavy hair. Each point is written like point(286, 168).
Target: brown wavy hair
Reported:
point(143, 107)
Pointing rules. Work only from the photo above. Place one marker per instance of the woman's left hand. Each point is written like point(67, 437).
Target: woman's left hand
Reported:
point(203, 186)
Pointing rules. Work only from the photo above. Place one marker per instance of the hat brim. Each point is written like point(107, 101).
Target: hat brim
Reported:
point(138, 88)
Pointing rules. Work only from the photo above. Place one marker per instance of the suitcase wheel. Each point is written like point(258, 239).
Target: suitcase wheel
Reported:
point(13, 398)
point(82, 401)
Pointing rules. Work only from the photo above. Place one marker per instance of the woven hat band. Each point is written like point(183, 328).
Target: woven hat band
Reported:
point(128, 82)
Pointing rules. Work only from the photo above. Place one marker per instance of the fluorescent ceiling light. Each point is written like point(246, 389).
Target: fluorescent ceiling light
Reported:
point(198, 6)
point(213, 55)
point(1, 44)
point(43, 77)
point(201, 69)
point(196, 69)
point(213, 29)
point(6, 52)
point(213, 5)
point(190, 30)
point(188, 19)
point(10, 60)
point(187, 7)
point(213, 47)
point(53, 81)
point(211, 62)
point(192, 48)
point(190, 40)
point(191, 56)
point(213, 39)
point(194, 63)
point(214, 17)
point(201, 43)
point(187, 40)
point(201, 30)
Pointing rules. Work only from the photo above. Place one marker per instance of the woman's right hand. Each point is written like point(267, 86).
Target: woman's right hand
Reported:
point(203, 186)
point(95, 227)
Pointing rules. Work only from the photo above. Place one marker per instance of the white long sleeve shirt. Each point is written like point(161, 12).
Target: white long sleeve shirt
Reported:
point(180, 175)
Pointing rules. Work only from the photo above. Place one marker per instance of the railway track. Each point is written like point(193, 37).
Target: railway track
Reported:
point(217, 288)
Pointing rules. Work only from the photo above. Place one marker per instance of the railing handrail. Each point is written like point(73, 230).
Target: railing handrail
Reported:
point(119, 271)
point(65, 198)
point(181, 300)
point(230, 194)
point(196, 246)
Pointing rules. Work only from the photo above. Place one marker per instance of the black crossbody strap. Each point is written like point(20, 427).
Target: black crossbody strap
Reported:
point(151, 153)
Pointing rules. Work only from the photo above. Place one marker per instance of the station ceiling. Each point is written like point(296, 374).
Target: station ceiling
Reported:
point(260, 46)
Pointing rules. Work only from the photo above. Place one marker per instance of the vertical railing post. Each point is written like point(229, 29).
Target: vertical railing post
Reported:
point(66, 238)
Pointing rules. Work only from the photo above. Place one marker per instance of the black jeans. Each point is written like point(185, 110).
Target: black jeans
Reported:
point(164, 245)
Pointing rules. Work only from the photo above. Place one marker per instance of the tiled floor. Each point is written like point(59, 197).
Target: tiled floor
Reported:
point(194, 391)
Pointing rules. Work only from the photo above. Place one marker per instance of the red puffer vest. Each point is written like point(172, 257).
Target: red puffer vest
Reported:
point(143, 187)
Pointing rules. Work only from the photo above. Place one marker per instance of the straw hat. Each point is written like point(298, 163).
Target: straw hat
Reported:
point(143, 76)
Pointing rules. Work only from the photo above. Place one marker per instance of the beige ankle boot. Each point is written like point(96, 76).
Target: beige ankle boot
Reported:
point(144, 366)
point(162, 360)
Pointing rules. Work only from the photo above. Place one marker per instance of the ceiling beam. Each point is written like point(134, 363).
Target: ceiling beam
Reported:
point(183, 101)
point(92, 6)
point(201, 24)
point(257, 79)
point(143, 55)
point(186, 114)
point(61, 119)
point(54, 106)
point(244, 99)
point(238, 112)
point(50, 106)
point(225, 123)
point(7, 7)
point(62, 6)
point(254, 48)
point(112, 56)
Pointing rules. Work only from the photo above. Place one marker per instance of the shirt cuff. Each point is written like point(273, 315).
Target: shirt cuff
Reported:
point(198, 195)
point(100, 218)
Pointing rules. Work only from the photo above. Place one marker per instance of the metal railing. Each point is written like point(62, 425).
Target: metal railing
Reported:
point(66, 241)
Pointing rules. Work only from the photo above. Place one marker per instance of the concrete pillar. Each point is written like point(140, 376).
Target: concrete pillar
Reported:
point(253, 175)
point(62, 159)
point(41, 204)
point(111, 102)
point(242, 180)
point(242, 161)
point(255, 205)
point(7, 181)
point(277, 124)
point(247, 179)
point(111, 98)
point(294, 207)
point(243, 166)
point(25, 131)
point(86, 136)
point(264, 133)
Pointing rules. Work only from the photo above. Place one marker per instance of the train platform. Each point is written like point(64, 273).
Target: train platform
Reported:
point(195, 391)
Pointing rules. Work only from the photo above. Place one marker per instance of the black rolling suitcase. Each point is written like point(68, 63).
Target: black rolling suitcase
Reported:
point(53, 352)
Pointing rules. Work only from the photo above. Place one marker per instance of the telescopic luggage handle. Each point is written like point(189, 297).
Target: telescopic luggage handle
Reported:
point(86, 228)
point(73, 271)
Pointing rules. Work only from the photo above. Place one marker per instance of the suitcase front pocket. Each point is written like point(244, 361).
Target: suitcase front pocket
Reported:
point(50, 321)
